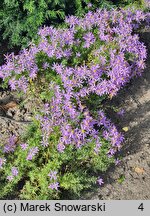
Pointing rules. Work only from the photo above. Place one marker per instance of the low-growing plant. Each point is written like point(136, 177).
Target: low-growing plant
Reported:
point(71, 70)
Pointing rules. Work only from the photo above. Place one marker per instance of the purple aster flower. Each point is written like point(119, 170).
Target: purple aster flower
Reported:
point(102, 60)
point(13, 84)
point(46, 31)
point(78, 54)
point(46, 108)
point(72, 20)
point(58, 68)
point(96, 150)
point(89, 39)
point(117, 161)
point(51, 186)
point(54, 186)
point(139, 15)
point(67, 53)
point(121, 112)
point(45, 65)
point(89, 5)
point(14, 171)
point(45, 141)
point(141, 64)
point(10, 147)
point(60, 147)
point(46, 126)
point(100, 181)
point(68, 36)
point(52, 175)
point(9, 57)
point(33, 72)
point(24, 146)
point(111, 152)
point(23, 84)
point(32, 152)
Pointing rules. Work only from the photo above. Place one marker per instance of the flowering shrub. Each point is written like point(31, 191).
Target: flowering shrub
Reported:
point(71, 71)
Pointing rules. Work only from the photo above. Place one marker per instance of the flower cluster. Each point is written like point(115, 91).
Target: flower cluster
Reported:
point(104, 36)
point(11, 145)
point(14, 172)
point(94, 55)
point(55, 184)
point(32, 152)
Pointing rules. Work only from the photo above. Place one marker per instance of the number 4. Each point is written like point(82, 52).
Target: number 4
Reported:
point(141, 207)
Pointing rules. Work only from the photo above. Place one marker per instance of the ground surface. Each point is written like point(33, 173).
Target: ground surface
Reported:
point(131, 178)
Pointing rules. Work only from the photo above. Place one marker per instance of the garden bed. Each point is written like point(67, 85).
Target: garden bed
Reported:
point(131, 178)
point(68, 97)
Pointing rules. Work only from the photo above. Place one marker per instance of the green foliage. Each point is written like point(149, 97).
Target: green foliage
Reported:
point(77, 168)
point(20, 20)
point(128, 2)
point(121, 179)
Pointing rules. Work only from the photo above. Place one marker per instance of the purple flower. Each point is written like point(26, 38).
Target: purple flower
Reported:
point(111, 152)
point(9, 57)
point(46, 127)
point(78, 54)
point(22, 83)
point(89, 39)
point(24, 146)
point(46, 108)
point(45, 141)
point(67, 53)
point(117, 161)
point(32, 152)
point(52, 175)
point(45, 65)
point(89, 5)
point(100, 181)
point(13, 84)
point(60, 147)
point(10, 147)
point(54, 186)
point(33, 72)
point(121, 112)
point(72, 20)
point(97, 148)
point(14, 171)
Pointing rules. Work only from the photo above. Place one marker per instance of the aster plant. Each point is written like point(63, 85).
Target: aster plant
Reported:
point(71, 70)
